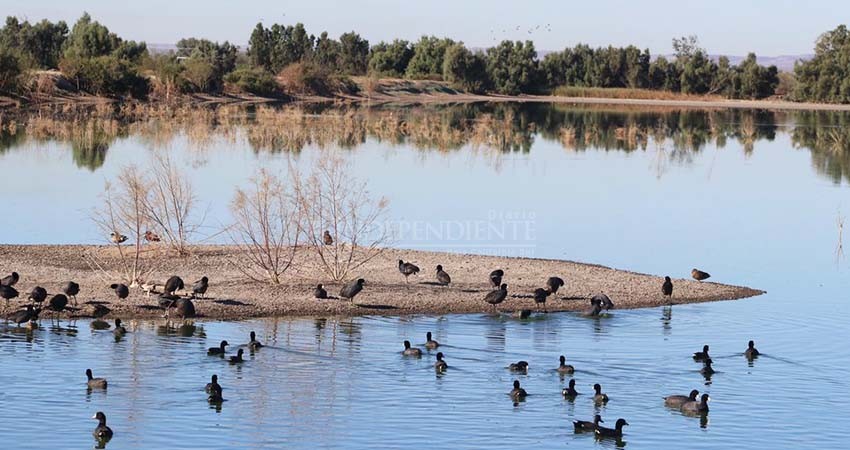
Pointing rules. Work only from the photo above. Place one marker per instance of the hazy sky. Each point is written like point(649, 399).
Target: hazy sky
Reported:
point(734, 27)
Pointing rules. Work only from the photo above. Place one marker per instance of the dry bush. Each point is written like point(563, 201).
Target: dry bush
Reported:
point(123, 211)
point(332, 199)
point(265, 228)
point(171, 202)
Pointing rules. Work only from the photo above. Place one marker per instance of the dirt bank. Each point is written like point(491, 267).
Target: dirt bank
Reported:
point(231, 296)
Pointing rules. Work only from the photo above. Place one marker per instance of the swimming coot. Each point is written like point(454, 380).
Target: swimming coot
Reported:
point(580, 426)
point(563, 367)
point(599, 397)
point(676, 401)
point(411, 351)
point(430, 343)
point(616, 432)
point(218, 350)
point(95, 383)
point(440, 365)
point(102, 433)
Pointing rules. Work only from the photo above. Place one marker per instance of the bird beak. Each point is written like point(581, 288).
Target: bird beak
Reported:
point(94, 417)
point(625, 423)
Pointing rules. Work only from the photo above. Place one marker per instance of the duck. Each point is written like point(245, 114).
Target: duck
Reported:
point(121, 290)
point(443, 277)
point(10, 280)
point(212, 384)
point(119, 329)
point(238, 358)
point(150, 236)
point(581, 426)
point(751, 352)
point(676, 401)
point(697, 407)
point(7, 293)
point(553, 284)
point(497, 296)
point(218, 350)
point(57, 303)
point(570, 391)
point(518, 393)
point(440, 365)
point(563, 367)
point(117, 238)
point(200, 287)
point(496, 278)
point(37, 295)
point(102, 432)
point(173, 284)
point(411, 351)
point(540, 295)
point(25, 315)
point(699, 275)
point(407, 269)
point(430, 343)
point(71, 289)
point(604, 301)
point(352, 289)
point(519, 366)
point(667, 287)
point(616, 432)
point(599, 397)
point(185, 308)
point(703, 355)
point(327, 239)
point(707, 370)
point(95, 383)
point(595, 308)
point(320, 292)
point(254, 344)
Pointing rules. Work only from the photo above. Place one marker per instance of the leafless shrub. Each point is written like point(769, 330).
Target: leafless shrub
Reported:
point(265, 228)
point(170, 203)
point(332, 199)
point(123, 210)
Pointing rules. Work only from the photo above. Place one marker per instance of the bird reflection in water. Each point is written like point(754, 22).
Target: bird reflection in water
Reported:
point(666, 320)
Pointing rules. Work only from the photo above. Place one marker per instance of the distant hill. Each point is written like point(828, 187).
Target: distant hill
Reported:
point(784, 63)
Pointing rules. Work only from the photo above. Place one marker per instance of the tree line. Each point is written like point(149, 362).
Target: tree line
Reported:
point(97, 61)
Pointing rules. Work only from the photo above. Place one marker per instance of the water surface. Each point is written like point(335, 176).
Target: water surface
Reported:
point(753, 197)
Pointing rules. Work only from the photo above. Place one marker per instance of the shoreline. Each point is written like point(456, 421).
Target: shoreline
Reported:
point(402, 98)
point(232, 297)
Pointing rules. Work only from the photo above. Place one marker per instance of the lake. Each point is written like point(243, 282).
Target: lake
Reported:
point(756, 198)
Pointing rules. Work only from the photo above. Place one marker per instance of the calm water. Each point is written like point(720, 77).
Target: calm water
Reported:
point(752, 197)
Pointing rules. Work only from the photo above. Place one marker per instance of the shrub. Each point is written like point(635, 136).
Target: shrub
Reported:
point(253, 80)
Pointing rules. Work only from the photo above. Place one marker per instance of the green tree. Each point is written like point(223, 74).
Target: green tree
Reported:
point(354, 54)
point(512, 67)
point(206, 62)
point(10, 71)
point(90, 39)
point(465, 69)
point(327, 52)
point(427, 60)
point(826, 76)
point(390, 59)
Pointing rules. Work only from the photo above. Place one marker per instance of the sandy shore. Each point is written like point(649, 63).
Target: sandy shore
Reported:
point(231, 296)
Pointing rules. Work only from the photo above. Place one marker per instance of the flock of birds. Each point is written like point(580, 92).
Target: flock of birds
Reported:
point(688, 404)
point(60, 302)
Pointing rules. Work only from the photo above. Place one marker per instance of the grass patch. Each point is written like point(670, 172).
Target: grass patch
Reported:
point(629, 93)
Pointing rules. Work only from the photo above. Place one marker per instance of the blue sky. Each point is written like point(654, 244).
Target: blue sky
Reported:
point(731, 27)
